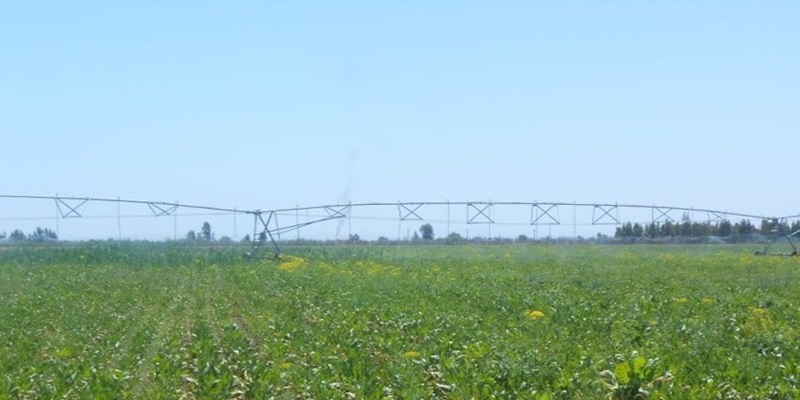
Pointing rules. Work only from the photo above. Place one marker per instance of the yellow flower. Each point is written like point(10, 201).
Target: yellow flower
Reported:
point(289, 263)
point(411, 354)
point(707, 301)
point(681, 300)
point(758, 323)
point(534, 314)
point(759, 311)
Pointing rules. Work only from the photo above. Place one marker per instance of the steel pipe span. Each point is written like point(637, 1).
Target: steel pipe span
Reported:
point(272, 222)
point(57, 198)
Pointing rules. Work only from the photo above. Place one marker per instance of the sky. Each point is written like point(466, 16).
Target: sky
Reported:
point(273, 104)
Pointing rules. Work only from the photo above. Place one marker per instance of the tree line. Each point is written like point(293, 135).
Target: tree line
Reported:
point(684, 228)
point(39, 235)
point(690, 228)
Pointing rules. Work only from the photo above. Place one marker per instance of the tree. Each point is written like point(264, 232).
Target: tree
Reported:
point(191, 236)
point(651, 230)
point(725, 228)
point(454, 238)
point(626, 230)
point(42, 235)
point(205, 232)
point(744, 228)
point(246, 239)
point(667, 229)
point(637, 230)
point(426, 231)
point(769, 226)
point(17, 236)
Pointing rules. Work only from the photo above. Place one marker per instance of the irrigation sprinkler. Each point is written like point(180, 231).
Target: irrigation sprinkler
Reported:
point(769, 242)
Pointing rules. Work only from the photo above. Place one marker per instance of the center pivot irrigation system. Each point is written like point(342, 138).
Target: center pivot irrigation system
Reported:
point(488, 213)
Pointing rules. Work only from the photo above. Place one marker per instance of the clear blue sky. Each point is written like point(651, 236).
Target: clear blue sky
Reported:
point(259, 104)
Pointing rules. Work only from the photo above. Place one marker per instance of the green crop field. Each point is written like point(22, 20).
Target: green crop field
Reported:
point(410, 322)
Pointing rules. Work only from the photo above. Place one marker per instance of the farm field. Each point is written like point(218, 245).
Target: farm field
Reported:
point(503, 321)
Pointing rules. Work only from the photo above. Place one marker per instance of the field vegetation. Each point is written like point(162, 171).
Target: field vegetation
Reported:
point(465, 321)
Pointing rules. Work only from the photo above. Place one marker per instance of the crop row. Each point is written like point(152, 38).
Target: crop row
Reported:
point(399, 322)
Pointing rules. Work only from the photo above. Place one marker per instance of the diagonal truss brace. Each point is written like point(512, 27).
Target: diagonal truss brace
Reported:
point(539, 213)
point(334, 212)
point(601, 215)
point(160, 211)
point(284, 229)
point(663, 214)
point(69, 211)
point(714, 216)
point(266, 232)
point(479, 215)
point(337, 211)
point(409, 212)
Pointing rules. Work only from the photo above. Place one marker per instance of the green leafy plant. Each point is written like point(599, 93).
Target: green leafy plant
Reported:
point(105, 320)
point(633, 379)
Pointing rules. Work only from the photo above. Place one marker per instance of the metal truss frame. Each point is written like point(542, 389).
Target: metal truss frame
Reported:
point(161, 210)
point(70, 211)
point(265, 225)
point(545, 218)
point(663, 214)
point(716, 216)
point(259, 238)
point(604, 215)
point(337, 211)
point(332, 211)
point(479, 213)
point(408, 211)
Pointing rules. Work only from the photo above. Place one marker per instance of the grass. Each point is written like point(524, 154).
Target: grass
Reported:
point(540, 322)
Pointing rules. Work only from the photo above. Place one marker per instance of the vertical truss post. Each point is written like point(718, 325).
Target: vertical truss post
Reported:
point(258, 238)
point(255, 228)
point(267, 231)
point(175, 222)
point(119, 221)
point(297, 221)
point(574, 220)
point(448, 217)
point(277, 227)
point(58, 224)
